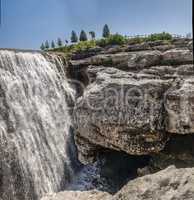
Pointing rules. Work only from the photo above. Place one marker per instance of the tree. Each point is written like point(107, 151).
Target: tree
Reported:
point(59, 42)
point(53, 44)
point(83, 36)
point(188, 35)
point(92, 34)
point(66, 41)
point(106, 31)
point(74, 37)
point(42, 47)
point(47, 46)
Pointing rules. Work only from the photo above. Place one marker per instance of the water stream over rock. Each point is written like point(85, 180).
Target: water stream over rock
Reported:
point(34, 125)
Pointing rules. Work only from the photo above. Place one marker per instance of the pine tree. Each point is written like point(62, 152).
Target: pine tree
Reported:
point(106, 31)
point(47, 46)
point(74, 37)
point(59, 42)
point(53, 44)
point(83, 36)
point(42, 47)
point(92, 34)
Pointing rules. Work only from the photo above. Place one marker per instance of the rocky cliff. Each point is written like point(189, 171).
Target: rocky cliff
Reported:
point(135, 98)
point(138, 100)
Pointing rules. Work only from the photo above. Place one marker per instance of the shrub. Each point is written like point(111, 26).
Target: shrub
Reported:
point(59, 42)
point(106, 31)
point(102, 42)
point(159, 36)
point(53, 44)
point(74, 37)
point(115, 39)
point(42, 47)
point(47, 46)
point(83, 45)
point(83, 36)
point(92, 34)
point(136, 40)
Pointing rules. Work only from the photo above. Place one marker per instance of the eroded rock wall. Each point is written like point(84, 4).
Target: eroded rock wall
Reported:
point(135, 99)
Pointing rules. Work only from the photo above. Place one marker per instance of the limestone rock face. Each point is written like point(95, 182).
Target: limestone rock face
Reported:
point(168, 184)
point(123, 60)
point(134, 99)
point(180, 108)
point(121, 112)
point(75, 195)
point(177, 56)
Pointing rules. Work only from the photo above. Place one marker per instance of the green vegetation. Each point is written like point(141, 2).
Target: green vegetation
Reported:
point(159, 36)
point(47, 45)
point(74, 37)
point(53, 44)
point(42, 47)
point(115, 39)
point(106, 31)
point(151, 38)
point(93, 35)
point(83, 36)
point(108, 39)
point(81, 46)
point(59, 42)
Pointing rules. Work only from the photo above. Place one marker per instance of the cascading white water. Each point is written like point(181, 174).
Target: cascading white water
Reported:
point(34, 125)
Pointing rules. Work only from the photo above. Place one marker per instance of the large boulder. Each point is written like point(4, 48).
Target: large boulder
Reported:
point(121, 112)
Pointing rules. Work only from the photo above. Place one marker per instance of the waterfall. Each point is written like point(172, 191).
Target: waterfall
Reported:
point(34, 125)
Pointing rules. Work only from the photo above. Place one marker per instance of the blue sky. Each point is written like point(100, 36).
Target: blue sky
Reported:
point(26, 23)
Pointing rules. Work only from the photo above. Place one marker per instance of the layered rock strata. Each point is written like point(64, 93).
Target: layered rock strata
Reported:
point(135, 98)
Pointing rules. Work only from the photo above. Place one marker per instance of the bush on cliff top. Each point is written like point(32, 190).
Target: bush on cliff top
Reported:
point(159, 36)
point(115, 39)
point(81, 46)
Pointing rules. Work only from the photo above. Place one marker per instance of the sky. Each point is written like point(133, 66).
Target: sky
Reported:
point(25, 24)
